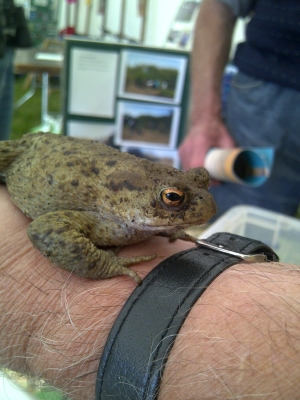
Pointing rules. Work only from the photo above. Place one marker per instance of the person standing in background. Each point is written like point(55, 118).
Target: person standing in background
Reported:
point(7, 30)
point(13, 33)
point(263, 106)
point(6, 93)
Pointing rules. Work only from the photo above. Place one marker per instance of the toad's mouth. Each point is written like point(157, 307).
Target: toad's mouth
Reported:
point(174, 226)
point(174, 223)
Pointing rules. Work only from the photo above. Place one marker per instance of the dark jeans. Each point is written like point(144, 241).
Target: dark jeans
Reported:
point(6, 93)
point(263, 114)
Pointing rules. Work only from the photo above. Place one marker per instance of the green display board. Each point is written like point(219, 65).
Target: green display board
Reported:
point(133, 96)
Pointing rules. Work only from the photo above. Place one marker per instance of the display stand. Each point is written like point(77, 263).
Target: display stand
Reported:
point(38, 63)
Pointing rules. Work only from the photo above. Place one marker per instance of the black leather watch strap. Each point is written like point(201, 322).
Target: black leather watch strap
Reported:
point(140, 341)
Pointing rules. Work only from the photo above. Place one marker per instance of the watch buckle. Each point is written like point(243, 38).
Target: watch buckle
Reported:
point(250, 258)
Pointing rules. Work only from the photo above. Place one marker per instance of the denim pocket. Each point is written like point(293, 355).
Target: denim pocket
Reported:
point(250, 113)
point(242, 81)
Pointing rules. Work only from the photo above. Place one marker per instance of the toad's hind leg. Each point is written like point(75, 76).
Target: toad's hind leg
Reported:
point(64, 238)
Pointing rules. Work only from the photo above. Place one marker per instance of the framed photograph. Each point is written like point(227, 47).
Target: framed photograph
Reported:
point(167, 157)
point(102, 132)
point(150, 76)
point(93, 76)
point(147, 125)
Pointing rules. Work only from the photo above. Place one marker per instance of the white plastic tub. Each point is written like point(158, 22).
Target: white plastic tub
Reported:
point(280, 232)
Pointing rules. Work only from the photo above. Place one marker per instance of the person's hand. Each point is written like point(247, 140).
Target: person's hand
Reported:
point(203, 136)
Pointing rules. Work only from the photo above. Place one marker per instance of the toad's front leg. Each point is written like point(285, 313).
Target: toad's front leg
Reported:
point(64, 237)
point(180, 234)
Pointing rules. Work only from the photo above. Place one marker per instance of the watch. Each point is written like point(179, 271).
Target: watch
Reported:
point(144, 332)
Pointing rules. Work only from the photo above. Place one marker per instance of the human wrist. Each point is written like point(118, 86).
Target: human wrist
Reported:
point(205, 108)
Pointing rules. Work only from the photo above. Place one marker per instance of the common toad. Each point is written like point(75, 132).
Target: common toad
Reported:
point(85, 197)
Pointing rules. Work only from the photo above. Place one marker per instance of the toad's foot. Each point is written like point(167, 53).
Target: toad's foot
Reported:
point(64, 238)
point(121, 263)
point(180, 234)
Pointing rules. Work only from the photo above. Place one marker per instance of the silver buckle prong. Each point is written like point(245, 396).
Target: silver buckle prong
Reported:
point(250, 258)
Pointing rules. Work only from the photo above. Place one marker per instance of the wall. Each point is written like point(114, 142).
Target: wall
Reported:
point(160, 15)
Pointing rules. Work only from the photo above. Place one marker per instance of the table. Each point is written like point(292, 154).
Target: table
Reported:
point(38, 62)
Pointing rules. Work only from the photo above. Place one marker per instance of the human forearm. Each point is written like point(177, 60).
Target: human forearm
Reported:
point(210, 53)
point(245, 328)
point(53, 325)
point(211, 48)
point(241, 339)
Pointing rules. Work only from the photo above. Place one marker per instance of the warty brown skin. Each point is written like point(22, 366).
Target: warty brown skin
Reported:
point(85, 197)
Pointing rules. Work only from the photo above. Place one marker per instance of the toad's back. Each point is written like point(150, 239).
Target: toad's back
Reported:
point(45, 172)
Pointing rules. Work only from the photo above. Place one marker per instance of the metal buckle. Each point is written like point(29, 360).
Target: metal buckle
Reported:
point(250, 258)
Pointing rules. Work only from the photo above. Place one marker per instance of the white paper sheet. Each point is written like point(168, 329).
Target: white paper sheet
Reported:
point(91, 130)
point(157, 88)
point(93, 82)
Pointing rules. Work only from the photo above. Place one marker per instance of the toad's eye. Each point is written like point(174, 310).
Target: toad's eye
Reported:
point(172, 196)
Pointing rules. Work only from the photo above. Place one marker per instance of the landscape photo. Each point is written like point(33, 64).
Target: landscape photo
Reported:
point(147, 125)
point(166, 157)
point(152, 77)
